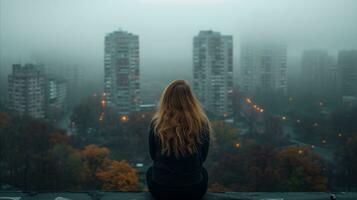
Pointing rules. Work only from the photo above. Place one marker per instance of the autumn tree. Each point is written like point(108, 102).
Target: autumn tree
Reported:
point(347, 165)
point(119, 176)
point(67, 166)
point(224, 136)
point(249, 169)
point(265, 169)
point(301, 170)
point(94, 159)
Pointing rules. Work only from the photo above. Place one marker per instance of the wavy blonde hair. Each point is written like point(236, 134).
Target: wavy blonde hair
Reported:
point(179, 120)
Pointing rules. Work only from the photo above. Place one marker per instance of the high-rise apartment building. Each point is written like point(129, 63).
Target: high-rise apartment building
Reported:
point(213, 71)
point(317, 72)
point(263, 66)
point(56, 96)
point(121, 71)
point(347, 63)
point(26, 90)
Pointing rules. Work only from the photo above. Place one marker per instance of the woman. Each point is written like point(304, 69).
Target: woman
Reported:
point(179, 139)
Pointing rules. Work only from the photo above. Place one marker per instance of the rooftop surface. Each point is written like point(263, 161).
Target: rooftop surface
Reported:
point(99, 195)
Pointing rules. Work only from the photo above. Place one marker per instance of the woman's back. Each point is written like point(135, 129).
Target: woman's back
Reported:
point(184, 170)
point(179, 138)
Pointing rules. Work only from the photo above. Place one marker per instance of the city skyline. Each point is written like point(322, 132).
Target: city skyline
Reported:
point(79, 38)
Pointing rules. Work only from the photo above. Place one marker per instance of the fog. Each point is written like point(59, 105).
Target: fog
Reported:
point(66, 32)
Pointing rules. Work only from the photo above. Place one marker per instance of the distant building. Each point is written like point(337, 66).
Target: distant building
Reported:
point(347, 63)
point(56, 95)
point(263, 66)
point(318, 72)
point(2, 90)
point(213, 71)
point(26, 90)
point(121, 71)
point(73, 75)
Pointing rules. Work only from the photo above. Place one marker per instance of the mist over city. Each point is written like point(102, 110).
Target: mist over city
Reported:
point(72, 32)
point(81, 80)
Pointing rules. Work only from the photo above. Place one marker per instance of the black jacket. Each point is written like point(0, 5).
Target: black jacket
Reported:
point(182, 171)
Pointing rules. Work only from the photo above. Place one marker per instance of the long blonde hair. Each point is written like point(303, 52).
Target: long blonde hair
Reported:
point(179, 120)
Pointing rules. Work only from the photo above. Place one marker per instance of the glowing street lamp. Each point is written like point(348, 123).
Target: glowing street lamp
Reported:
point(104, 103)
point(340, 135)
point(298, 121)
point(323, 141)
point(237, 145)
point(248, 100)
point(283, 118)
point(124, 118)
point(300, 151)
point(261, 110)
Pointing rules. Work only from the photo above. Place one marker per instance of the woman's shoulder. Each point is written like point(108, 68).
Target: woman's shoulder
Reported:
point(152, 123)
point(205, 133)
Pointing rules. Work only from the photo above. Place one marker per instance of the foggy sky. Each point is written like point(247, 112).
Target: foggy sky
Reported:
point(72, 31)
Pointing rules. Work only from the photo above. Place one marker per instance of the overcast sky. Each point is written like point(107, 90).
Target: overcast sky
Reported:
point(72, 31)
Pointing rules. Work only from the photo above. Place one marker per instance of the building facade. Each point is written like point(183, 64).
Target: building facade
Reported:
point(213, 71)
point(318, 72)
point(347, 63)
point(121, 71)
point(26, 90)
point(56, 96)
point(263, 66)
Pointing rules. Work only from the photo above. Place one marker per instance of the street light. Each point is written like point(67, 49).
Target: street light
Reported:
point(104, 103)
point(248, 100)
point(124, 118)
point(237, 145)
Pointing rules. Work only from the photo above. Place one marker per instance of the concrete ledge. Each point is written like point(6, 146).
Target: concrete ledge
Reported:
point(100, 195)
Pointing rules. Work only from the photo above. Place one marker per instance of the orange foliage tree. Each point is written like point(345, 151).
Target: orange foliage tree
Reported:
point(102, 172)
point(119, 176)
point(94, 159)
point(301, 170)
